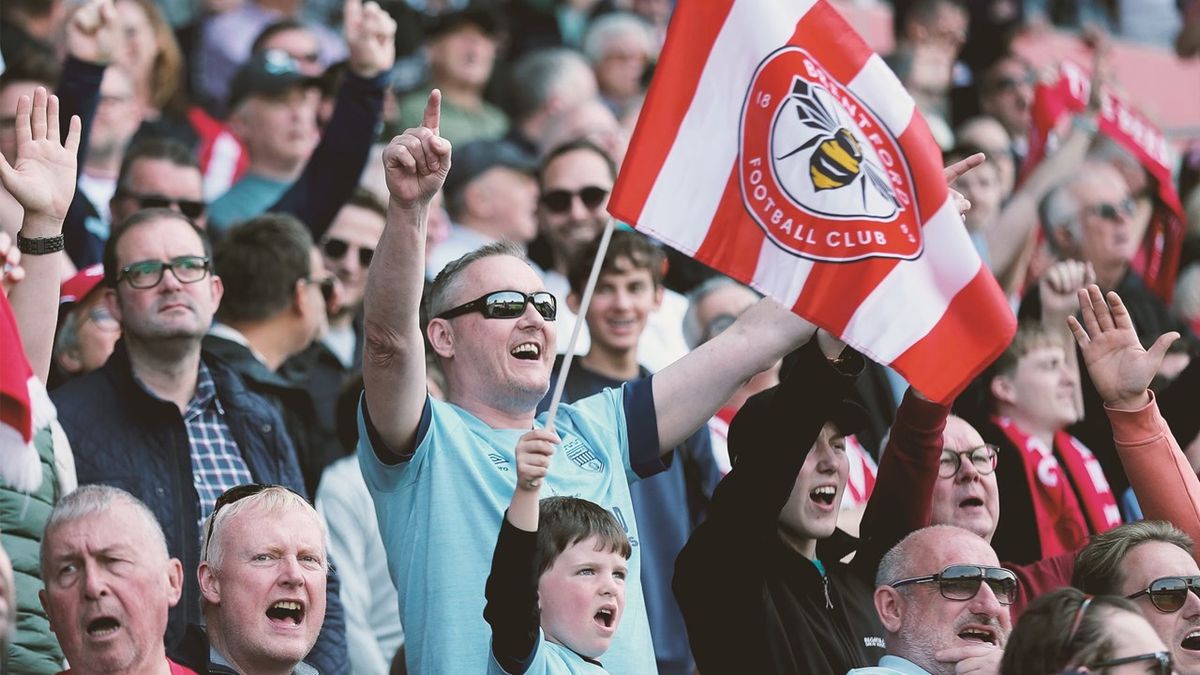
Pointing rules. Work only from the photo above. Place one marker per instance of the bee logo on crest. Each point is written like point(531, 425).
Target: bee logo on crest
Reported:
point(819, 171)
point(838, 161)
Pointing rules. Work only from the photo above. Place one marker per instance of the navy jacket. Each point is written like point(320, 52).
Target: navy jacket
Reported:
point(123, 436)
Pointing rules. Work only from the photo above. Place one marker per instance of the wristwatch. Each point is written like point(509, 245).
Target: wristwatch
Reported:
point(40, 245)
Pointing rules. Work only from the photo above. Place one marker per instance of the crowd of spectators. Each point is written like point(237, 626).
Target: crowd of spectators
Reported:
point(287, 291)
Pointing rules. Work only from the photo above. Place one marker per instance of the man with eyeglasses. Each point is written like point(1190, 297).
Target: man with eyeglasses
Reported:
point(574, 181)
point(490, 195)
point(1091, 218)
point(1006, 93)
point(962, 477)
point(276, 296)
point(167, 423)
point(943, 599)
point(1152, 563)
point(160, 174)
point(437, 470)
point(292, 164)
point(347, 249)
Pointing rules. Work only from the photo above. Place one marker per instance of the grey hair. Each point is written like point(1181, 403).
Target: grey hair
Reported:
point(273, 499)
point(605, 28)
point(693, 333)
point(89, 500)
point(442, 291)
point(1060, 209)
point(896, 563)
point(541, 74)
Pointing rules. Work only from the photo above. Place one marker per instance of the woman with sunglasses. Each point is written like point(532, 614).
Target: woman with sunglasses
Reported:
point(1072, 633)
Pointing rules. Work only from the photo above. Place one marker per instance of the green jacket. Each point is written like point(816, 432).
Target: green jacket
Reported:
point(22, 521)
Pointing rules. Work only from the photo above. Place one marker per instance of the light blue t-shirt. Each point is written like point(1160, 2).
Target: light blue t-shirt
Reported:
point(251, 196)
point(440, 510)
point(552, 659)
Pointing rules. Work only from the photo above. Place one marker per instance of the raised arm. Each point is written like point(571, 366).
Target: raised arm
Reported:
point(691, 390)
point(1009, 237)
point(333, 170)
point(1121, 369)
point(42, 179)
point(1058, 289)
point(415, 166)
point(512, 586)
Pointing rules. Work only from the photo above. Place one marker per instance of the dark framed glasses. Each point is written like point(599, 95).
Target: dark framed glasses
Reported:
point(559, 201)
point(336, 249)
point(962, 582)
point(1114, 212)
point(189, 208)
point(506, 305)
point(983, 459)
point(1165, 663)
point(188, 269)
point(1169, 594)
point(325, 284)
point(236, 494)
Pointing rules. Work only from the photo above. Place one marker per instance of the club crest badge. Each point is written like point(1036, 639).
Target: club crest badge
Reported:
point(582, 455)
point(819, 172)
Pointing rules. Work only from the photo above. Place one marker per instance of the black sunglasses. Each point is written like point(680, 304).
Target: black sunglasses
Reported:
point(983, 458)
point(1166, 664)
point(962, 582)
point(236, 494)
point(336, 249)
point(1168, 594)
point(506, 305)
point(559, 201)
point(187, 207)
point(188, 269)
point(1114, 212)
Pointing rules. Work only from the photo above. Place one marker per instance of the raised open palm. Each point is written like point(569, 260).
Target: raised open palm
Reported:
point(42, 177)
point(1120, 368)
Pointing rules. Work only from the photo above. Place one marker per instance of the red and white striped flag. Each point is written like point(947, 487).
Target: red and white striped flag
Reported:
point(776, 147)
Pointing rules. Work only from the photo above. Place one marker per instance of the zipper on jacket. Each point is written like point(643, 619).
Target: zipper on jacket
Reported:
point(828, 601)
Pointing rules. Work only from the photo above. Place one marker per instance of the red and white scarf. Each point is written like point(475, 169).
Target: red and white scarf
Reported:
point(1063, 522)
point(24, 408)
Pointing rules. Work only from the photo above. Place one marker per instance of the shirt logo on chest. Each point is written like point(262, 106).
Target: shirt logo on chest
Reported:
point(499, 460)
point(582, 455)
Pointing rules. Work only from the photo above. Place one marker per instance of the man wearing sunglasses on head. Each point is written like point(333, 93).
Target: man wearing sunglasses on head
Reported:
point(438, 471)
point(274, 307)
point(943, 598)
point(173, 426)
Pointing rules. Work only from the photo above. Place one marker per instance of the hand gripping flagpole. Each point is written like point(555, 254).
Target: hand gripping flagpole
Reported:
point(579, 322)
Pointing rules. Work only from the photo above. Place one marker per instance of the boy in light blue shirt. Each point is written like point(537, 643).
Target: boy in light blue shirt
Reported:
point(557, 588)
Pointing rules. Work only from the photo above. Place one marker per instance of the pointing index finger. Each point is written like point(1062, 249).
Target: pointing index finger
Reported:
point(433, 111)
point(962, 166)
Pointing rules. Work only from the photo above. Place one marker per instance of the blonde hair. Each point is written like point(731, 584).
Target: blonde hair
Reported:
point(273, 499)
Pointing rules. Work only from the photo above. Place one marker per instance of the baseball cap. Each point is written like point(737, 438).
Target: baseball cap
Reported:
point(849, 417)
point(477, 157)
point(77, 287)
point(486, 18)
point(268, 73)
